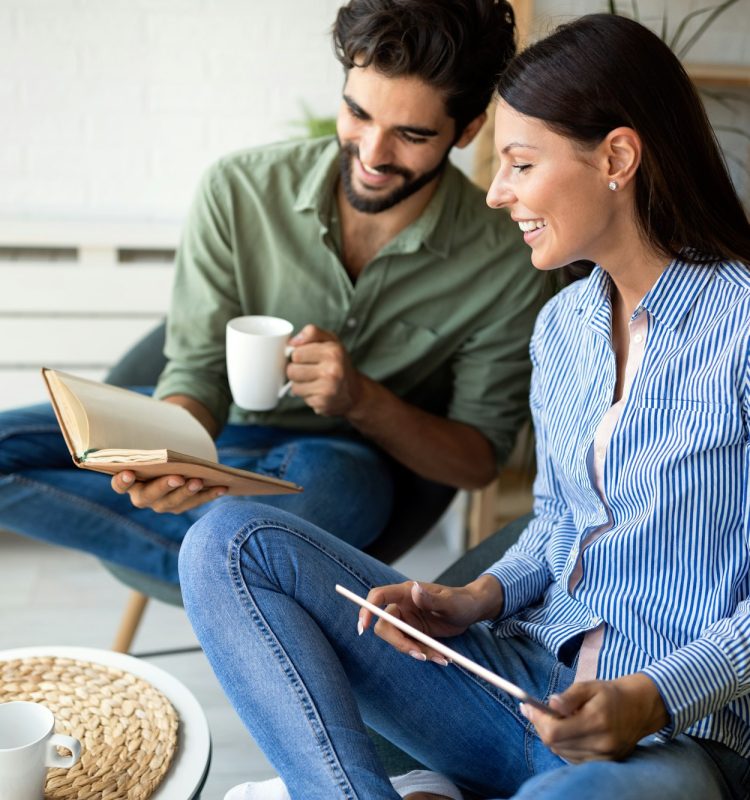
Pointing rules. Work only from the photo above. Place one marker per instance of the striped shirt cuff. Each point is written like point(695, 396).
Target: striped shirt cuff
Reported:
point(523, 579)
point(694, 682)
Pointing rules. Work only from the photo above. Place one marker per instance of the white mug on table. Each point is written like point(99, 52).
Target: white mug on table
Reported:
point(28, 747)
point(257, 353)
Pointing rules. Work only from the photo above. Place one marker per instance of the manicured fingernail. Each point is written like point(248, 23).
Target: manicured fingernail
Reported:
point(522, 708)
point(418, 587)
point(221, 492)
point(442, 661)
point(126, 478)
point(173, 483)
point(194, 486)
point(360, 627)
point(418, 655)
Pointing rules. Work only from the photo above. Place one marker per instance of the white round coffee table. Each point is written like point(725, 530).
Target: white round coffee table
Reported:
point(188, 770)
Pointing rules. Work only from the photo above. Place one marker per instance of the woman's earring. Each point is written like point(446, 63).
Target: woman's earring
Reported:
point(613, 186)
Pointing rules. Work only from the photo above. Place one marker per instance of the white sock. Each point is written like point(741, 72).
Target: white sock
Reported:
point(272, 789)
point(422, 780)
point(417, 781)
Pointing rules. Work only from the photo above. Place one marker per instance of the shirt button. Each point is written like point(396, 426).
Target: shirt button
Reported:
point(351, 323)
point(638, 338)
point(600, 452)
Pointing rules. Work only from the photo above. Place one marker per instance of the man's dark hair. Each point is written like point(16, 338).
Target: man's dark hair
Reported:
point(459, 47)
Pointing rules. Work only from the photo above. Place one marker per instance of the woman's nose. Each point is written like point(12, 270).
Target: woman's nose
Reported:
point(499, 194)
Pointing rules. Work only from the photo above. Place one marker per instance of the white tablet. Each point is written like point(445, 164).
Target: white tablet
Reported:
point(452, 655)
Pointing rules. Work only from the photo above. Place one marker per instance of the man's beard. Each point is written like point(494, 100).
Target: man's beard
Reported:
point(410, 185)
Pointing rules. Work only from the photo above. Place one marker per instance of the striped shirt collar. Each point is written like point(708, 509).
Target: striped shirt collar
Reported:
point(668, 301)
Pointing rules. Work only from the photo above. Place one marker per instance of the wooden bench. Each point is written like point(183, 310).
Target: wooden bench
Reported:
point(76, 296)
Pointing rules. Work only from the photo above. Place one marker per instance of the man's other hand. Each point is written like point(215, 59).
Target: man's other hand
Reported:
point(322, 374)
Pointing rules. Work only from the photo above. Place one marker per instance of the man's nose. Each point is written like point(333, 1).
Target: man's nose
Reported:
point(374, 150)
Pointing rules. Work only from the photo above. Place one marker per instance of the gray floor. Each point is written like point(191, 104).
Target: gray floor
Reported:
point(53, 596)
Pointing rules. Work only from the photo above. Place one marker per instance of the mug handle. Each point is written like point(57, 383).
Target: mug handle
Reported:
point(288, 350)
point(54, 759)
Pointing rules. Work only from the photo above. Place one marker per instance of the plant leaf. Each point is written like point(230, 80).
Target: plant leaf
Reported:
point(727, 100)
point(733, 129)
point(715, 11)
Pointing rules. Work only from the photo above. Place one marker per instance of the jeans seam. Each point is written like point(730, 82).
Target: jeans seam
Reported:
point(9, 433)
point(291, 451)
point(245, 597)
point(102, 511)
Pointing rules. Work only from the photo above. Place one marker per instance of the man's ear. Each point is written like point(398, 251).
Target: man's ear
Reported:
point(471, 130)
point(620, 152)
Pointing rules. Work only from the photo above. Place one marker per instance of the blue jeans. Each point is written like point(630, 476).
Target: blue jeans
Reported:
point(259, 591)
point(348, 489)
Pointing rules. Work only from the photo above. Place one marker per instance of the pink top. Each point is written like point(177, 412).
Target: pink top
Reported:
point(592, 641)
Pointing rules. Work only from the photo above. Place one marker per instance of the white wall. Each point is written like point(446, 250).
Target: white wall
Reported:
point(112, 108)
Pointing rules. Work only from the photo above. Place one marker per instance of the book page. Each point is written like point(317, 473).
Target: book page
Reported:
point(76, 428)
point(119, 419)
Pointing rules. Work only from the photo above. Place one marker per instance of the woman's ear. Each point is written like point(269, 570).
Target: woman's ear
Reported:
point(621, 156)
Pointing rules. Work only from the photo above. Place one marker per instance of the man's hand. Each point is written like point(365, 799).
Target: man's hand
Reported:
point(172, 494)
point(602, 720)
point(433, 609)
point(322, 374)
point(169, 494)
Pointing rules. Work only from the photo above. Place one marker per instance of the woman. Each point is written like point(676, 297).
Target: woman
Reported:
point(625, 603)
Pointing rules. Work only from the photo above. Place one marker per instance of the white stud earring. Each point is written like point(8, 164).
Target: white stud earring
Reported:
point(613, 186)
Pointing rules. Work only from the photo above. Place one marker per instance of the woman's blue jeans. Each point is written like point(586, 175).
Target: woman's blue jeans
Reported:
point(259, 591)
point(348, 490)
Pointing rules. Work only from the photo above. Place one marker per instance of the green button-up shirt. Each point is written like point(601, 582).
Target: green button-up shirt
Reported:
point(442, 316)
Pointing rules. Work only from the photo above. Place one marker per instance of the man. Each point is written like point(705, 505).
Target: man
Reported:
point(413, 306)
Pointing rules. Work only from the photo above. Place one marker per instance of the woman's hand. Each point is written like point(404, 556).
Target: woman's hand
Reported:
point(433, 609)
point(602, 720)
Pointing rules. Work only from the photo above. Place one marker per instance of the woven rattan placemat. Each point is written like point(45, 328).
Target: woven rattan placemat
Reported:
point(127, 728)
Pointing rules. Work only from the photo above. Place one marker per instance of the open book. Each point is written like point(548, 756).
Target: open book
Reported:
point(109, 429)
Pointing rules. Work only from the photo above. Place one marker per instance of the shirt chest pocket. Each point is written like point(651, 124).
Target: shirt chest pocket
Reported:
point(398, 346)
point(680, 428)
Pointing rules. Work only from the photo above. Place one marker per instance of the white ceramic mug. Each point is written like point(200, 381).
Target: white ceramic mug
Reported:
point(28, 747)
point(257, 353)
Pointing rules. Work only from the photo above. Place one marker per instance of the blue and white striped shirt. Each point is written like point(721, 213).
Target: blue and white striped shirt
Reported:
point(670, 578)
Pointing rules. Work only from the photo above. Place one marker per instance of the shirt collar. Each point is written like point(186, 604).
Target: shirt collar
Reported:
point(434, 227)
point(315, 192)
point(676, 291)
point(669, 299)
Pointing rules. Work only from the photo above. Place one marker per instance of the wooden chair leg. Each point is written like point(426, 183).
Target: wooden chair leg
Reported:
point(130, 621)
point(482, 514)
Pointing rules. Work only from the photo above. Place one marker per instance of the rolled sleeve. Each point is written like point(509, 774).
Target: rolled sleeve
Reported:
point(204, 299)
point(491, 370)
